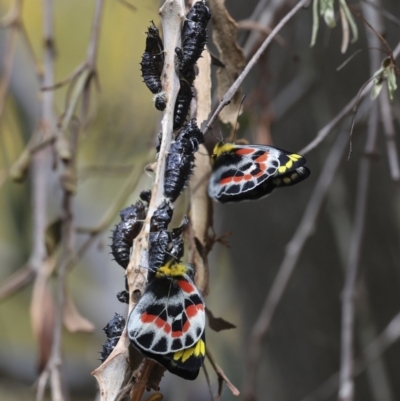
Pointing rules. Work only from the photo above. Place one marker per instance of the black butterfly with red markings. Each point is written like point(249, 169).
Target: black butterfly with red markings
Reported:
point(248, 172)
point(168, 322)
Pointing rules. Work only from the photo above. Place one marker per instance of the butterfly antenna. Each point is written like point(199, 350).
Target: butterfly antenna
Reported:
point(220, 138)
point(148, 268)
point(237, 118)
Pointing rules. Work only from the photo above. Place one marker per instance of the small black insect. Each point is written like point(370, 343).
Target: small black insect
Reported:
point(113, 330)
point(164, 245)
point(194, 38)
point(180, 160)
point(152, 64)
point(160, 101)
point(123, 296)
point(182, 104)
point(161, 217)
point(131, 223)
point(150, 75)
point(145, 196)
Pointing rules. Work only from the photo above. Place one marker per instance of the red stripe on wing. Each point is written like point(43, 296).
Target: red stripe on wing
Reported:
point(191, 311)
point(186, 286)
point(146, 318)
point(186, 326)
point(245, 151)
point(262, 159)
point(225, 181)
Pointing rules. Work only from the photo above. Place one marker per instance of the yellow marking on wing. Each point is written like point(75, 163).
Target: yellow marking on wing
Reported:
point(202, 348)
point(282, 169)
point(289, 164)
point(178, 355)
point(221, 148)
point(183, 354)
point(295, 157)
point(199, 349)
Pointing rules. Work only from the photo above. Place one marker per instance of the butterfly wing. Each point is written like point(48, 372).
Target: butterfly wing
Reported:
point(291, 177)
point(169, 317)
point(239, 172)
point(184, 363)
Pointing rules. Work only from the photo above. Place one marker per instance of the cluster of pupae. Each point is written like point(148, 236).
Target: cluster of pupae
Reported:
point(168, 322)
point(194, 37)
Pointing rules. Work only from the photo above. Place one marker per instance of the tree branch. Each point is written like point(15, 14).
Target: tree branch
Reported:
point(389, 336)
point(235, 86)
point(286, 269)
point(346, 386)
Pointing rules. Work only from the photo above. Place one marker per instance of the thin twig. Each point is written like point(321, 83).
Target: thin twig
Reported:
point(55, 362)
point(390, 17)
point(390, 133)
point(346, 391)
point(389, 336)
point(71, 77)
point(349, 108)
point(248, 25)
point(346, 379)
point(25, 274)
point(68, 182)
point(22, 277)
point(222, 378)
point(285, 271)
point(12, 20)
point(105, 221)
point(142, 379)
point(40, 165)
point(235, 86)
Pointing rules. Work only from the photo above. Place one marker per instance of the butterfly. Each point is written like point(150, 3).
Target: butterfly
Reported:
point(168, 322)
point(248, 172)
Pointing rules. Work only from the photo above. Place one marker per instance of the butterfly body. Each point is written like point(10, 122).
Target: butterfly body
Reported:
point(249, 172)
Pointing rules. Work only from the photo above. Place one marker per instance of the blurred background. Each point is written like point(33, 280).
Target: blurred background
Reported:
point(293, 92)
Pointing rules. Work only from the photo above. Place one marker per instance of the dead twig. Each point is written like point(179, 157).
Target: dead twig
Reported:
point(346, 391)
point(222, 378)
point(53, 370)
point(266, 30)
point(235, 86)
point(389, 336)
point(346, 379)
point(348, 109)
point(285, 271)
point(13, 21)
point(390, 134)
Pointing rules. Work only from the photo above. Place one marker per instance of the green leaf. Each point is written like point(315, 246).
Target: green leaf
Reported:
point(315, 23)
